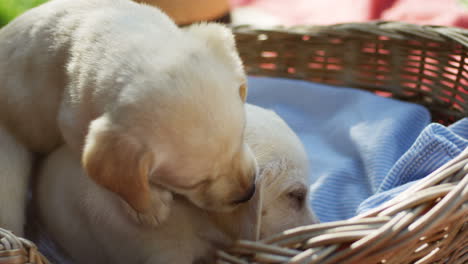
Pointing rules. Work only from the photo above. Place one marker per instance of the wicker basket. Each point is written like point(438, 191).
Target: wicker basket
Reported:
point(15, 250)
point(427, 65)
point(421, 64)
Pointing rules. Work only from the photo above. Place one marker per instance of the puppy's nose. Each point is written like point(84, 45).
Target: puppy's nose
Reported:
point(247, 197)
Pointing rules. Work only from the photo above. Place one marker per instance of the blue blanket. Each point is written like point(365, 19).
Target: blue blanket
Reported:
point(363, 149)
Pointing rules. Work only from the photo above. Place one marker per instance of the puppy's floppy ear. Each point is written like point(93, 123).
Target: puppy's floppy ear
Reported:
point(243, 92)
point(251, 215)
point(217, 36)
point(119, 163)
point(219, 40)
point(245, 221)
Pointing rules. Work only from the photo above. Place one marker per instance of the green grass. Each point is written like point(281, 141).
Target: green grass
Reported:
point(10, 9)
point(464, 3)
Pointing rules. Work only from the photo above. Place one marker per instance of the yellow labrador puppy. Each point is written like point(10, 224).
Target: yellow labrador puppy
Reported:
point(150, 109)
point(89, 223)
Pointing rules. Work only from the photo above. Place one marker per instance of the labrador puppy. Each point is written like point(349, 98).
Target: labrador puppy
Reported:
point(150, 109)
point(89, 223)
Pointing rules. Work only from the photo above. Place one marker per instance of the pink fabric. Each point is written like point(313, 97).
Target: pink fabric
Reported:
point(437, 12)
point(291, 12)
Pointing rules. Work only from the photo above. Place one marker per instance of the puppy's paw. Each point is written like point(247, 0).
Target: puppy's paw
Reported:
point(161, 200)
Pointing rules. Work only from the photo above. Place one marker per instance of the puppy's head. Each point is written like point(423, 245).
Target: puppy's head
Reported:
point(283, 167)
point(281, 200)
point(228, 181)
point(181, 128)
point(205, 157)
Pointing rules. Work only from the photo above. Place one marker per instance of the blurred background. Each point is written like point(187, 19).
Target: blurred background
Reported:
point(9, 9)
point(293, 12)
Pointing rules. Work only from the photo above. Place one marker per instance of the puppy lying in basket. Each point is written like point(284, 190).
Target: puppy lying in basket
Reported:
point(151, 109)
point(91, 225)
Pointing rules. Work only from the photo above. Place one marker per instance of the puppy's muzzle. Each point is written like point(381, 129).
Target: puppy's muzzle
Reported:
point(250, 193)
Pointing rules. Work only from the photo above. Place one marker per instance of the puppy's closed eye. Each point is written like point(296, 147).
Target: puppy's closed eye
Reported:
point(297, 197)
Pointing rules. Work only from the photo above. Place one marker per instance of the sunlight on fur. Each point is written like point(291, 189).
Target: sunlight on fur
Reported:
point(92, 225)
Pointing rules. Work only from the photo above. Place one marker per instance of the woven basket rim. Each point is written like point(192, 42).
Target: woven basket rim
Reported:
point(418, 37)
point(368, 228)
point(394, 29)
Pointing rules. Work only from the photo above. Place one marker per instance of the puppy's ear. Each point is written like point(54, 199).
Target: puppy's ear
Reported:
point(217, 36)
point(243, 92)
point(251, 213)
point(219, 40)
point(119, 163)
point(245, 221)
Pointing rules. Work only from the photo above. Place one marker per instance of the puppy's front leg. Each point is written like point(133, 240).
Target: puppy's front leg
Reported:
point(161, 200)
point(15, 165)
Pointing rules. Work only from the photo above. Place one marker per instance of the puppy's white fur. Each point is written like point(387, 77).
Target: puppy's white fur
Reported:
point(89, 224)
point(149, 108)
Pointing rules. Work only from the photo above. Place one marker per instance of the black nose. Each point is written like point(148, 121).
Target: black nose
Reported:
point(247, 197)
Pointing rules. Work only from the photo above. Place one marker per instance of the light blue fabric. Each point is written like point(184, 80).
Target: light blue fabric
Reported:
point(435, 146)
point(363, 149)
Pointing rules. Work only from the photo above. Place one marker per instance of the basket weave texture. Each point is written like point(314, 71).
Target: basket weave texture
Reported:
point(16, 250)
point(427, 65)
point(422, 64)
